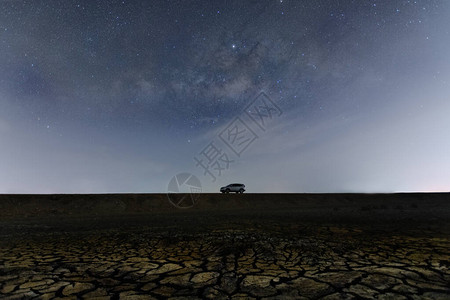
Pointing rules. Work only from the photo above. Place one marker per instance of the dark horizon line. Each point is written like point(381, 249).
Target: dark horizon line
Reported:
point(231, 193)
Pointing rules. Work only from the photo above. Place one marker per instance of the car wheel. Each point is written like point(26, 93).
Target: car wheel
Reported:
point(241, 191)
point(227, 191)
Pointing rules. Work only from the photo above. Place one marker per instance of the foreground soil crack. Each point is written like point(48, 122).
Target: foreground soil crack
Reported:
point(223, 260)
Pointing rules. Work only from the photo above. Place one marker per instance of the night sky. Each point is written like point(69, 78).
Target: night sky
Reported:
point(120, 96)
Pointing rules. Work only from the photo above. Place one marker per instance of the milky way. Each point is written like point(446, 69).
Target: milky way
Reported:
point(119, 96)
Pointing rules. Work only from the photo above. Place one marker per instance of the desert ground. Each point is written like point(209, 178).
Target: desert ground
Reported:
point(261, 246)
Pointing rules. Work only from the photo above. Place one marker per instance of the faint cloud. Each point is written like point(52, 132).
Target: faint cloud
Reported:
point(5, 127)
point(146, 88)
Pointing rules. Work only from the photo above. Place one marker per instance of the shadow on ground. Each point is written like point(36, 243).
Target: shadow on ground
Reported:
point(228, 246)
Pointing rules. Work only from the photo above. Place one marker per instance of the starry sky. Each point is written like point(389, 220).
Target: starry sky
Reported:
point(120, 96)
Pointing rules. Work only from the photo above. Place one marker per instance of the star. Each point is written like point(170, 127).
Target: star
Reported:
point(162, 69)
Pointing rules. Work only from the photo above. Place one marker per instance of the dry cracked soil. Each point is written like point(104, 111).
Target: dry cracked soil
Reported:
point(223, 255)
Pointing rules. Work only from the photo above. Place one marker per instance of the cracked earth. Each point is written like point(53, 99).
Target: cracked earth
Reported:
point(205, 256)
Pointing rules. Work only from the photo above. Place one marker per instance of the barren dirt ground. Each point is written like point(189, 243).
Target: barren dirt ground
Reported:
point(282, 254)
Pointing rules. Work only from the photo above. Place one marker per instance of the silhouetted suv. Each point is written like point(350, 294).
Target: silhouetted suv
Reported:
point(234, 187)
